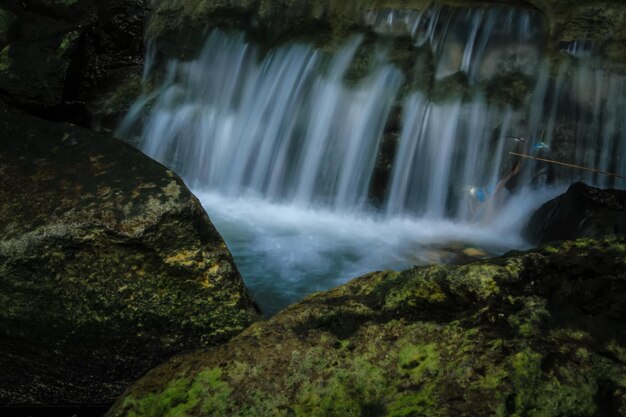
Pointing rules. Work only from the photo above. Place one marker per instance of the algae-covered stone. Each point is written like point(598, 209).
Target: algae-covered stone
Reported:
point(539, 333)
point(108, 266)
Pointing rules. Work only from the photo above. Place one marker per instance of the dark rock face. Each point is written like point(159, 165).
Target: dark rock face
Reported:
point(59, 57)
point(601, 22)
point(536, 333)
point(583, 211)
point(108, 266)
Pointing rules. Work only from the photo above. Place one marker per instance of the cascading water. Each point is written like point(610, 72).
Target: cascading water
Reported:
point(284, 152)
point(278, 128)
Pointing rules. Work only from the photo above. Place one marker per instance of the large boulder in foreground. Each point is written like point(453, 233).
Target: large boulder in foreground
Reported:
point(583, 211)
point(541, 333)
point(108, 266)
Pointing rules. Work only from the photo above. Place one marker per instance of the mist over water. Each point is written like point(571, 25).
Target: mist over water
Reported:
point(287, 251)
point(285, 153)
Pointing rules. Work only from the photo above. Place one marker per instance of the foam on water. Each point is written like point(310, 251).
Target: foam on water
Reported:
point(287, 251)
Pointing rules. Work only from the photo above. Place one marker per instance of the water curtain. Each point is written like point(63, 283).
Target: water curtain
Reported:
point(292, 126)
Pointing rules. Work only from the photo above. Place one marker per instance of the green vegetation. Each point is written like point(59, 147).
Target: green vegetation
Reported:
point(477, 339)
point(67, 42)
point(205, 393)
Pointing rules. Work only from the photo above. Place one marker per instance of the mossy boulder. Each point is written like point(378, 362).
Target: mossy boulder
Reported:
point(583, 211)
point(539, 333)
point(108, 266)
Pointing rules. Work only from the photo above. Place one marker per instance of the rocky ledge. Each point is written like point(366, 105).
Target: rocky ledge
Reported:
point(601, 22)
point(540, 333)
point(62, 59)
point(108, 266)
point(583, 211)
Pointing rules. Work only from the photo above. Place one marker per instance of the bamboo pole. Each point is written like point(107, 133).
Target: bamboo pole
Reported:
point(567, 165)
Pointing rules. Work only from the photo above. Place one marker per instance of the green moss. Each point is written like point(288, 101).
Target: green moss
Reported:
point(494, 379)
point(67, 42)
point(528, 321)
point(415, 404)
point(550, 249)
point(513, 268)
point(479, 280)
point(344, 344)
point(418, 287)
point(341, 391)
point(569, 394)
point(563, 390)
point(485, 341)
point(419, 362)
point(182, 397)
point(330, 398)
point(525, 366)
point(524, 373)
point(617, 350)
point(421, 365)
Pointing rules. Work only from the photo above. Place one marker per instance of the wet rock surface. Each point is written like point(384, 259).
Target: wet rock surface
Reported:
point(535, 333)
point(108, 266)
point(583, 211)
point(600, 24)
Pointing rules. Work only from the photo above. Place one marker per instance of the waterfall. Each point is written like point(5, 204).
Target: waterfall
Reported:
point(288, 127)
point(283, 126)
point(292, 128)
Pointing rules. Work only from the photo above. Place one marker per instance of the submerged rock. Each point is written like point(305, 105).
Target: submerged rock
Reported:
point(535, 333)
point(108, 266)
point(583, 211)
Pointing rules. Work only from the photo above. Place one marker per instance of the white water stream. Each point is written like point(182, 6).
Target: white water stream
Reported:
point(282, 151)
